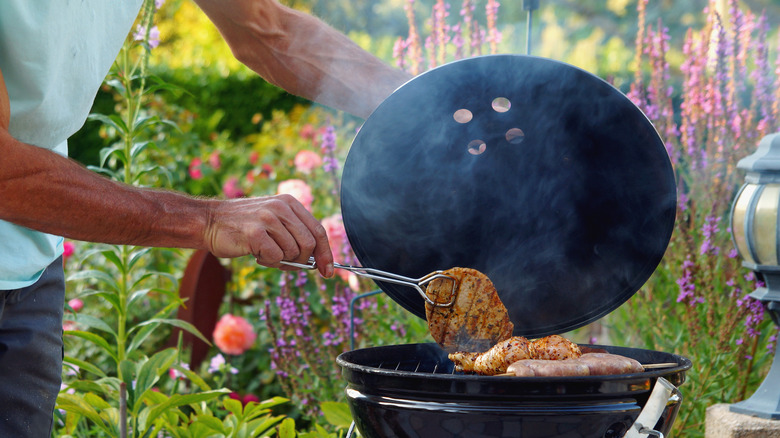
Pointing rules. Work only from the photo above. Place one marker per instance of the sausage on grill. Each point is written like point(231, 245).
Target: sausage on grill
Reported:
point(589, 364)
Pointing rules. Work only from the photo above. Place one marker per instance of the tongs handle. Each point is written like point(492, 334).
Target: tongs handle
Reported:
point(376, 274)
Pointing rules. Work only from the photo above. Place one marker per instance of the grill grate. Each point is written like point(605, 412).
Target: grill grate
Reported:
point(418, 366)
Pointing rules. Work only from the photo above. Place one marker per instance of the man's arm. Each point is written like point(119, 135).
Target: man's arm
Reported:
point(303, 55)
point(50, 193)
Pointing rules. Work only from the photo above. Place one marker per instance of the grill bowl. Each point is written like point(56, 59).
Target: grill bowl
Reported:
point(412, 390)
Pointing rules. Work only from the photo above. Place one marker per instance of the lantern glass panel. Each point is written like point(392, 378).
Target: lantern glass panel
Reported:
point(738, 217)
point(765, 225)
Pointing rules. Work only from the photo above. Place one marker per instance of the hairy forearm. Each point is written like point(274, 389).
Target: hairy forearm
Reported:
point(303, 55)
point(46, 192)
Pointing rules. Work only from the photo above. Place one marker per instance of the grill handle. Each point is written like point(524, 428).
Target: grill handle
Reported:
point(663, 395)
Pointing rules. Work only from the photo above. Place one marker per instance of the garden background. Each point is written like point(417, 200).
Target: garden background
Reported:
point(178, 112)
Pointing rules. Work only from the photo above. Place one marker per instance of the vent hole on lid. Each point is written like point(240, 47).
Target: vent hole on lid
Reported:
point(477, 147)
point(501, 104)
point(515, 136)
point(462, 116)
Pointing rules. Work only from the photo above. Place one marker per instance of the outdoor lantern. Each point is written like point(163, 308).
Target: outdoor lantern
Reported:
point(755, 226)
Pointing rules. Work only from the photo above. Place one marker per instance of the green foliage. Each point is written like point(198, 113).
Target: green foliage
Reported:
point(223, 132)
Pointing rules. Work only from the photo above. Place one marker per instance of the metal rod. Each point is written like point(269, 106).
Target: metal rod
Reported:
point(530, 6)
point(378, 275)
point(528, 32)
point(351, 430)
point(352, 315)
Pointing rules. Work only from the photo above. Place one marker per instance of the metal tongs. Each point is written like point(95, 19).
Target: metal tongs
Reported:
point(376, 274)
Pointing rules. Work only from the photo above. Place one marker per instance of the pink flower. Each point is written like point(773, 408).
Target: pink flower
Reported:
point(307, 132)
point(337, 235)
point(306, 161)
point(68, 248)
point(254, 157)
point(298, 189)
point(232, 189)
point(176, 374)
point(76, 304)
point(195, 171)
point(154, 35)
point(215, 161)
point(250, 398)
point(233, 334)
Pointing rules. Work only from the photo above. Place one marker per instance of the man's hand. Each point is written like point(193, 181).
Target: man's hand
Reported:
point(272, 229)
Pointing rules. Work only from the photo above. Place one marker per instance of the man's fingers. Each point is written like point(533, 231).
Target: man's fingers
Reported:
point(319, 245)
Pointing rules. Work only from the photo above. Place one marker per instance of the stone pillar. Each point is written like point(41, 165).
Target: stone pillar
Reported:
point(722, 423)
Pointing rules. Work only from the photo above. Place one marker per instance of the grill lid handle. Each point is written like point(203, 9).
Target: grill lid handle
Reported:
point(664, 394)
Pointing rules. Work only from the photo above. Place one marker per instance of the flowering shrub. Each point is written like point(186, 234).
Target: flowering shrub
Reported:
point(696, 304)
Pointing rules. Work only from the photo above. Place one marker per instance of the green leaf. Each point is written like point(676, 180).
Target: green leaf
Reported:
point(77, 404)
point(112, 120)
point(154, 368)
point(112, 298)
point(196, 379)
point(96, 402)
point(117, 85)
point(262, 425)
point(184, 325)
point(337, 413)
point(127, 370)
point(94, 274)
point(114, 258)
point(234, 406)
point(104, 385)
point(141, 146)
point(211, 422)
point(136, 255)
point(287, 428)
point(108, 172)
point(84, 365)
point(90, 321)
point(184, 399)
point(106, 153)
point(95, 339)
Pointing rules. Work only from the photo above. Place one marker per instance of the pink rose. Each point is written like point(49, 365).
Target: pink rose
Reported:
point(232, 189)
point(68, 248)
point(195, 172)
point(307, 131)
point(298, 189)
point(215, 161)
point(233, 334)
point(306, 161)
point(76, 304)
point(337, 235)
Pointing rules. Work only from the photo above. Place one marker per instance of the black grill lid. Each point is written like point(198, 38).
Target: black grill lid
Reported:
point(539, 174)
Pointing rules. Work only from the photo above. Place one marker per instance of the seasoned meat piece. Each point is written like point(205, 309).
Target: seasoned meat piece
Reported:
point(548, 368)
point(464, 361)
point(476, 320)
point(602, 364)
point(495, 360)
point(554, 347)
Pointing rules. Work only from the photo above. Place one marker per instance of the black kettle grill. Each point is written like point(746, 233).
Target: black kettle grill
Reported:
point(545, 178)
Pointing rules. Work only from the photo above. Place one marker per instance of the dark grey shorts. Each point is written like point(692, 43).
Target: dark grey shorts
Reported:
point(31, 355)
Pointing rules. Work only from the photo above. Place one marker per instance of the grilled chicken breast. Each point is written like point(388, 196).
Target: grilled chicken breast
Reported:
point(475, 321)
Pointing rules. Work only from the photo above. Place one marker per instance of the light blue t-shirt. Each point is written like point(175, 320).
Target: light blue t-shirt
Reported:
point(54, 56)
